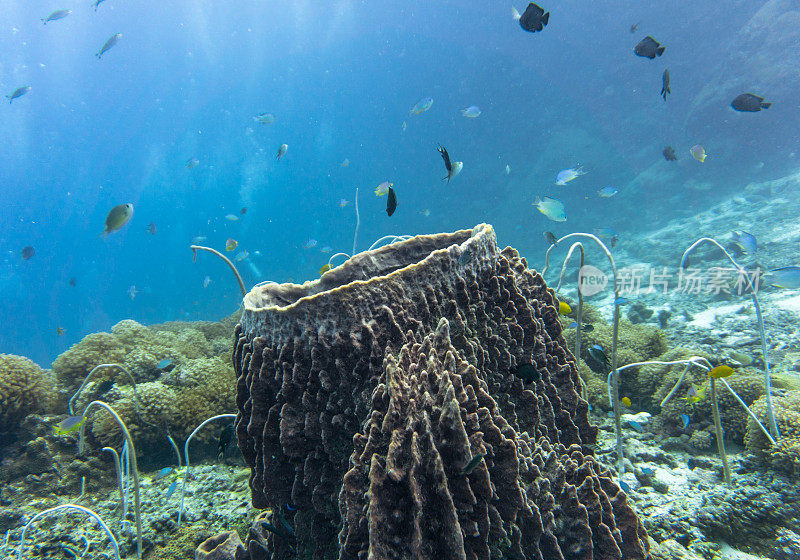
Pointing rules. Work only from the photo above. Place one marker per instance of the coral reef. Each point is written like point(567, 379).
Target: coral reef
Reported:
point(198, 383)
point(637, 343)
point(785, 454)
point(25, 389)
point(384, 391)
point(177, 402)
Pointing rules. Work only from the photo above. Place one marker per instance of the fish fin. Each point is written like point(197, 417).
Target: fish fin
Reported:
point(660, 51)
point(546, 18)
point(765, 105)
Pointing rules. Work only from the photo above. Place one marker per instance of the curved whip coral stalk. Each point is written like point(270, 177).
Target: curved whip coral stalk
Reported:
point(86, 380)
point(75, 507)
point(773, 426)
point(186, 453)
point(132, 455)
point(579, 317)
point(358, 223)
point(614, 339)
point(195, 248)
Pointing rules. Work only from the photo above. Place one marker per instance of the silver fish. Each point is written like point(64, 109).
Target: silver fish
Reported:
point(110, 43)
point(58, 14)
point(19, 92)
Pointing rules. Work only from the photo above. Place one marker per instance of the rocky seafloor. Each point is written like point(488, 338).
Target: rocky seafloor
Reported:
point(673, 479)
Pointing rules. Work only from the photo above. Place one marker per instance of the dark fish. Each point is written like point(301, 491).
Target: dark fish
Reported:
point(465, 257)
point(73, 282)
point(648, 48)
point(749, 103)
point(243, 210)
point(225, 437)
point(60, 331)
point(474, 462)
point(665, 84)
point(58, 14)
point(285, 524)
point(113, 40)
point(271, 528)
point(598, 355)
point(635, 26)
point(527, 372)
point(534, 19)
point(19, 92)
point(614, 240)
point(551, 238)
point(391, 202)
point(151, 227)
point(28, 252)
point(669, 154)
point(446, 158)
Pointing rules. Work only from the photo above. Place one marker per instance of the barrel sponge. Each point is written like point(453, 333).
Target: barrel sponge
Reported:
point(25, 389)
point(785, 454)
point(363, 395)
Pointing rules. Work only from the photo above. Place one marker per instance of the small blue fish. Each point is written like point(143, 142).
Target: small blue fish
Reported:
point(786, 277)
point(607, 192)
point(19, 92)
point(113, 40)
point(624, 486)
point(648, 471)
point(421, 106)
point(746, 241)
point(58, 14)
point(289, 507)
point(620, 301)
point(635, 425)
point(165, 364)
point(171, 489)
point(162, 473)
point(473, 111)
point(686, 420)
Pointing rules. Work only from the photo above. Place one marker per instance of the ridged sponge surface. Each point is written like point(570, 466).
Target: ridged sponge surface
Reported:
point(364, 397)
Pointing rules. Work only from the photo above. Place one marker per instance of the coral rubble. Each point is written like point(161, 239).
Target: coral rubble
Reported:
point(380, 401)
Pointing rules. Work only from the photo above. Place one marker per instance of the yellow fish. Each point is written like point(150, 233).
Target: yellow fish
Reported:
point(626, 401)
point(231, 244)
point(721, 371)
point(325, 268)
point(564, 308)
point(695, 395)
point(69, 425)
point(383, 188)
point(698, 153)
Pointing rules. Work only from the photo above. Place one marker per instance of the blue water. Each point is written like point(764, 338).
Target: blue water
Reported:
point(340, 77)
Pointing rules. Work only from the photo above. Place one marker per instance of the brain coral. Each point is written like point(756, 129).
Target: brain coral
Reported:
point(364, 396)
point(25, 388)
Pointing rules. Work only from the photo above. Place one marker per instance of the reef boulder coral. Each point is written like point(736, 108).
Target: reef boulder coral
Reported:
point(785, 454)
point(380, 401)
point(25, 389)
